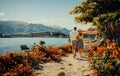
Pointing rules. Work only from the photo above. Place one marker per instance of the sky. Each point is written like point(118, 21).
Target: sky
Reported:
point(47, 12)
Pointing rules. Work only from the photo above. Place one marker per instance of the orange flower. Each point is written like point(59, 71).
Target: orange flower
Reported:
point(107, 41)
point(20, 65)
point(114, 53)
point(109, 64)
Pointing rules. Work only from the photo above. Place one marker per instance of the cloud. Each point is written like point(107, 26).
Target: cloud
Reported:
point(2, 14)
point(50, 21)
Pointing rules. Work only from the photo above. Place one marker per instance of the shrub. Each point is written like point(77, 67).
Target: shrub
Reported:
point(106, 59)
point(14, 64)
point(22, 63)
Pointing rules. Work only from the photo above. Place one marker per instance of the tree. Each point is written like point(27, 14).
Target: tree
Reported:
point(101, 13)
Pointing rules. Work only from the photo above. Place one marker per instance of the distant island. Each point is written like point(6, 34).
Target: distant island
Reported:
point(11, 29)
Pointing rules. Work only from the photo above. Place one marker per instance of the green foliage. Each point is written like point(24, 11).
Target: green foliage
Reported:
point(99, 12)
point(106, 59)
point(112, 29)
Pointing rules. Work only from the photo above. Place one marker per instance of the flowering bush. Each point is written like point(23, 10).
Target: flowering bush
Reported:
point(44, 53)
point(15, 65)
point(22, 63)
point(106, 59)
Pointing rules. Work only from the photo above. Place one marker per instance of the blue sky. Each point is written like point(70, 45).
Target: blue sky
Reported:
point(48, 12)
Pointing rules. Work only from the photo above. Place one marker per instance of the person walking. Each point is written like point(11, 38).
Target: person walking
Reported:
point(73, 39)
point(80, 44)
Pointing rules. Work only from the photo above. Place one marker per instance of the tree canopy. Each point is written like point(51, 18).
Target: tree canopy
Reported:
point(97, 12)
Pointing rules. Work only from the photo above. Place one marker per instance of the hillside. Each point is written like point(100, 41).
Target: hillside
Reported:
point(17, 27)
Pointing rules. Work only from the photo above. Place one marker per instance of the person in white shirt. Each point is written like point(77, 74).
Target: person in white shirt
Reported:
point(73, 35)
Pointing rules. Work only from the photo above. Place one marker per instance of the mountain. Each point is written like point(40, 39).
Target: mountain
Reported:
point(10, 27)
point(15, 27)
point(38, 28)
point(62, 30)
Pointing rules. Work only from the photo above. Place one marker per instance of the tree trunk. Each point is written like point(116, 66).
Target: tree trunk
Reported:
point(113, 30)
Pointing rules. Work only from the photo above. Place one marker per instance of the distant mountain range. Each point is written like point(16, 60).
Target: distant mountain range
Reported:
point(16, 27)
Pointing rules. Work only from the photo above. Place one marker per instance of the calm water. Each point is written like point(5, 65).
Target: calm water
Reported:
point(13, 44)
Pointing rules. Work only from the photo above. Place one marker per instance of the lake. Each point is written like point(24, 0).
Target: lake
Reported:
point(13, 44)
